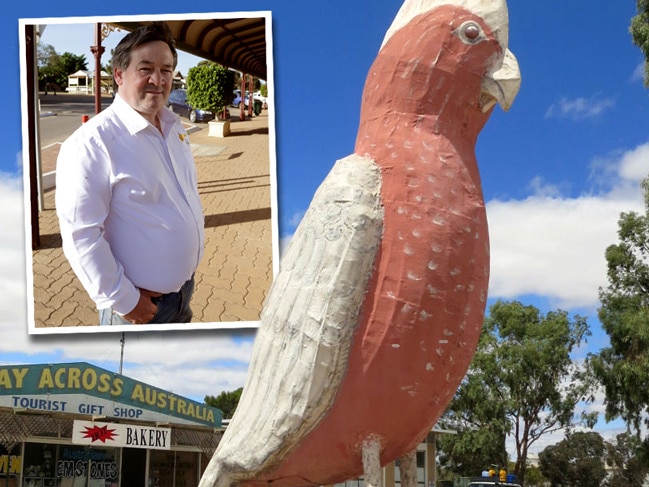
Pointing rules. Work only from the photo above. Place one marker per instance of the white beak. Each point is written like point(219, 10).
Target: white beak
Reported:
point(501, 86)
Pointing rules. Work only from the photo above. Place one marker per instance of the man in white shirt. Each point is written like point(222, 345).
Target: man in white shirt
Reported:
point(126, 193)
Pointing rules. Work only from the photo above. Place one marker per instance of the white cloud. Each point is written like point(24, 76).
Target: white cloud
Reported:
point(634, 164)
point(193, 364)
point(579, 108)
point(12, 251)
point(554, 246)
point(638, 72)
point(283, 245)
point(540, 187)
point(295, 219)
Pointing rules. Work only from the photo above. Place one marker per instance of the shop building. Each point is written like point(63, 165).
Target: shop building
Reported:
point(77, 425)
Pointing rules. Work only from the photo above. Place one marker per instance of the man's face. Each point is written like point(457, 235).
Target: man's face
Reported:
point(146, 83)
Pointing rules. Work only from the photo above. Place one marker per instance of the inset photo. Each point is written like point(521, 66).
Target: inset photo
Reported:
point(149, 171)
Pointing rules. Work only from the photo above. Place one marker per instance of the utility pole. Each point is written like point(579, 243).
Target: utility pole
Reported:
point(121, 356)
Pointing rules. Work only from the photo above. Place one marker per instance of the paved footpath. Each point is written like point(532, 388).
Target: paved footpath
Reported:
point(234, 181)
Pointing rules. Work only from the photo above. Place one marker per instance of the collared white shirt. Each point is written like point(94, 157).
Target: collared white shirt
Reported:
point(128, 206)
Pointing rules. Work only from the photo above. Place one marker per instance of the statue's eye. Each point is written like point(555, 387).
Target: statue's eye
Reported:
point(470, 32)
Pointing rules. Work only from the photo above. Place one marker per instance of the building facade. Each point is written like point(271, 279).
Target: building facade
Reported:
point(74, 425)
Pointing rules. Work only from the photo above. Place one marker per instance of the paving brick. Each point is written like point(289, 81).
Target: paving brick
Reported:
point(235, 312)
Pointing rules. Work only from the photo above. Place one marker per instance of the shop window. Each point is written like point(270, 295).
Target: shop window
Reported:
point(421, 469)
point(173, 469)
point(69, 466)
point(11, 463)
point(39, 465)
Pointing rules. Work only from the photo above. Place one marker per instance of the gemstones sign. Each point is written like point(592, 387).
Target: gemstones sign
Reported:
point(113, 434)
point(81, 388)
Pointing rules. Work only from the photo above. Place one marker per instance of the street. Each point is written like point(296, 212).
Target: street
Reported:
point(61, 114)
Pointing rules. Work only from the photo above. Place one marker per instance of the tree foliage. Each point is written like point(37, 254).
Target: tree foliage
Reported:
point(226, 401)
point(576, 461)
point(522, 382)
point(640, 34)
point(534, 477)
point(478, 415)
point(628, 460)
point(623, 367)
point(55, 68)
point(210, 87)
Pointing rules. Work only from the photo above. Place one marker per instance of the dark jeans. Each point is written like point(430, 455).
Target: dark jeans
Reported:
point(172, 308)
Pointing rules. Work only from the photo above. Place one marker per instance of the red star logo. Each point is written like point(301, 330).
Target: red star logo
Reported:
point(97, 433)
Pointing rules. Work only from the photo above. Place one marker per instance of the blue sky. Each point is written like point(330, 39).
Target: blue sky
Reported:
point(557, 169)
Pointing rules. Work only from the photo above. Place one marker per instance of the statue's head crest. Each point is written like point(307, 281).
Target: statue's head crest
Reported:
point(494, 13)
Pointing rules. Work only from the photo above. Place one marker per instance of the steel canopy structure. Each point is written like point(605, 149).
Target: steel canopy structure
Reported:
point(236, 43)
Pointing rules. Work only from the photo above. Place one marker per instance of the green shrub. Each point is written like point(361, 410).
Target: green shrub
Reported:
point(210, 87)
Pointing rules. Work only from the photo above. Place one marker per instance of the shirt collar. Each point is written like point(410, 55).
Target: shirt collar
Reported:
point(167, 120)
point(135, 122)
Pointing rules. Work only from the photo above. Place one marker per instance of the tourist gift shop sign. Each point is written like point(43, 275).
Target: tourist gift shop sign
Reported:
point(81, 388)
point(120, 435)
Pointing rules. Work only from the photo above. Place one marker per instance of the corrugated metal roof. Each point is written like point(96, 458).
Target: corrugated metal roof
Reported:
point(237, 43)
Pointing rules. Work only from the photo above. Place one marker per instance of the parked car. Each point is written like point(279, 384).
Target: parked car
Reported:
point(178, 104)
point(237, 99)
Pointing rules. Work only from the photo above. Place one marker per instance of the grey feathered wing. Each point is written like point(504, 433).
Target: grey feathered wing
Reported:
point(301, 349)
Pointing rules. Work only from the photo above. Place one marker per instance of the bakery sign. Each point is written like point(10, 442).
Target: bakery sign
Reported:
point(120, 435)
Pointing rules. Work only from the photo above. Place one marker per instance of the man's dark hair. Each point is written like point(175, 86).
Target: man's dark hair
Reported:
point(156, 31)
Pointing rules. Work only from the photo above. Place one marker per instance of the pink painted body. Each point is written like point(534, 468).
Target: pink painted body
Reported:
point(425, 302)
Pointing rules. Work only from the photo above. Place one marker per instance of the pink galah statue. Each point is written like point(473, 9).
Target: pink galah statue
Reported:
point(375, 314)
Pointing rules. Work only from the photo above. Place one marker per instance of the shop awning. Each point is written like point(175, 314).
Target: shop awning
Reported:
point(237, 43)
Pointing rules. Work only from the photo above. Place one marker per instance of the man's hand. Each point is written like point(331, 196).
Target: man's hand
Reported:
point(144, 310)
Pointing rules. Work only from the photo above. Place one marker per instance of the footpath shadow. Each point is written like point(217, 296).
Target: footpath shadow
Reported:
point(245, 216)
point(259, 131)
point(50, 241)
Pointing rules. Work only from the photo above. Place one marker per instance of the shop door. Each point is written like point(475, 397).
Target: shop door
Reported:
point(133, 467)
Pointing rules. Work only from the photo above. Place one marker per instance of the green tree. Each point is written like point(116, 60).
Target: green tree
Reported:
point(48, 64)
point(522, 382)
point(576, 461)
point(534, 477)
point(210, 87)
point(55, 68)
point(108, 66)
point(71, 63)
point(624, 314)
point(477, 415)
point(629, 462)
point(226, 401)
point(640, 34)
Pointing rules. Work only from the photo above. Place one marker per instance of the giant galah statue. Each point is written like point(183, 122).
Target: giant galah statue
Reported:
point(375, 314)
